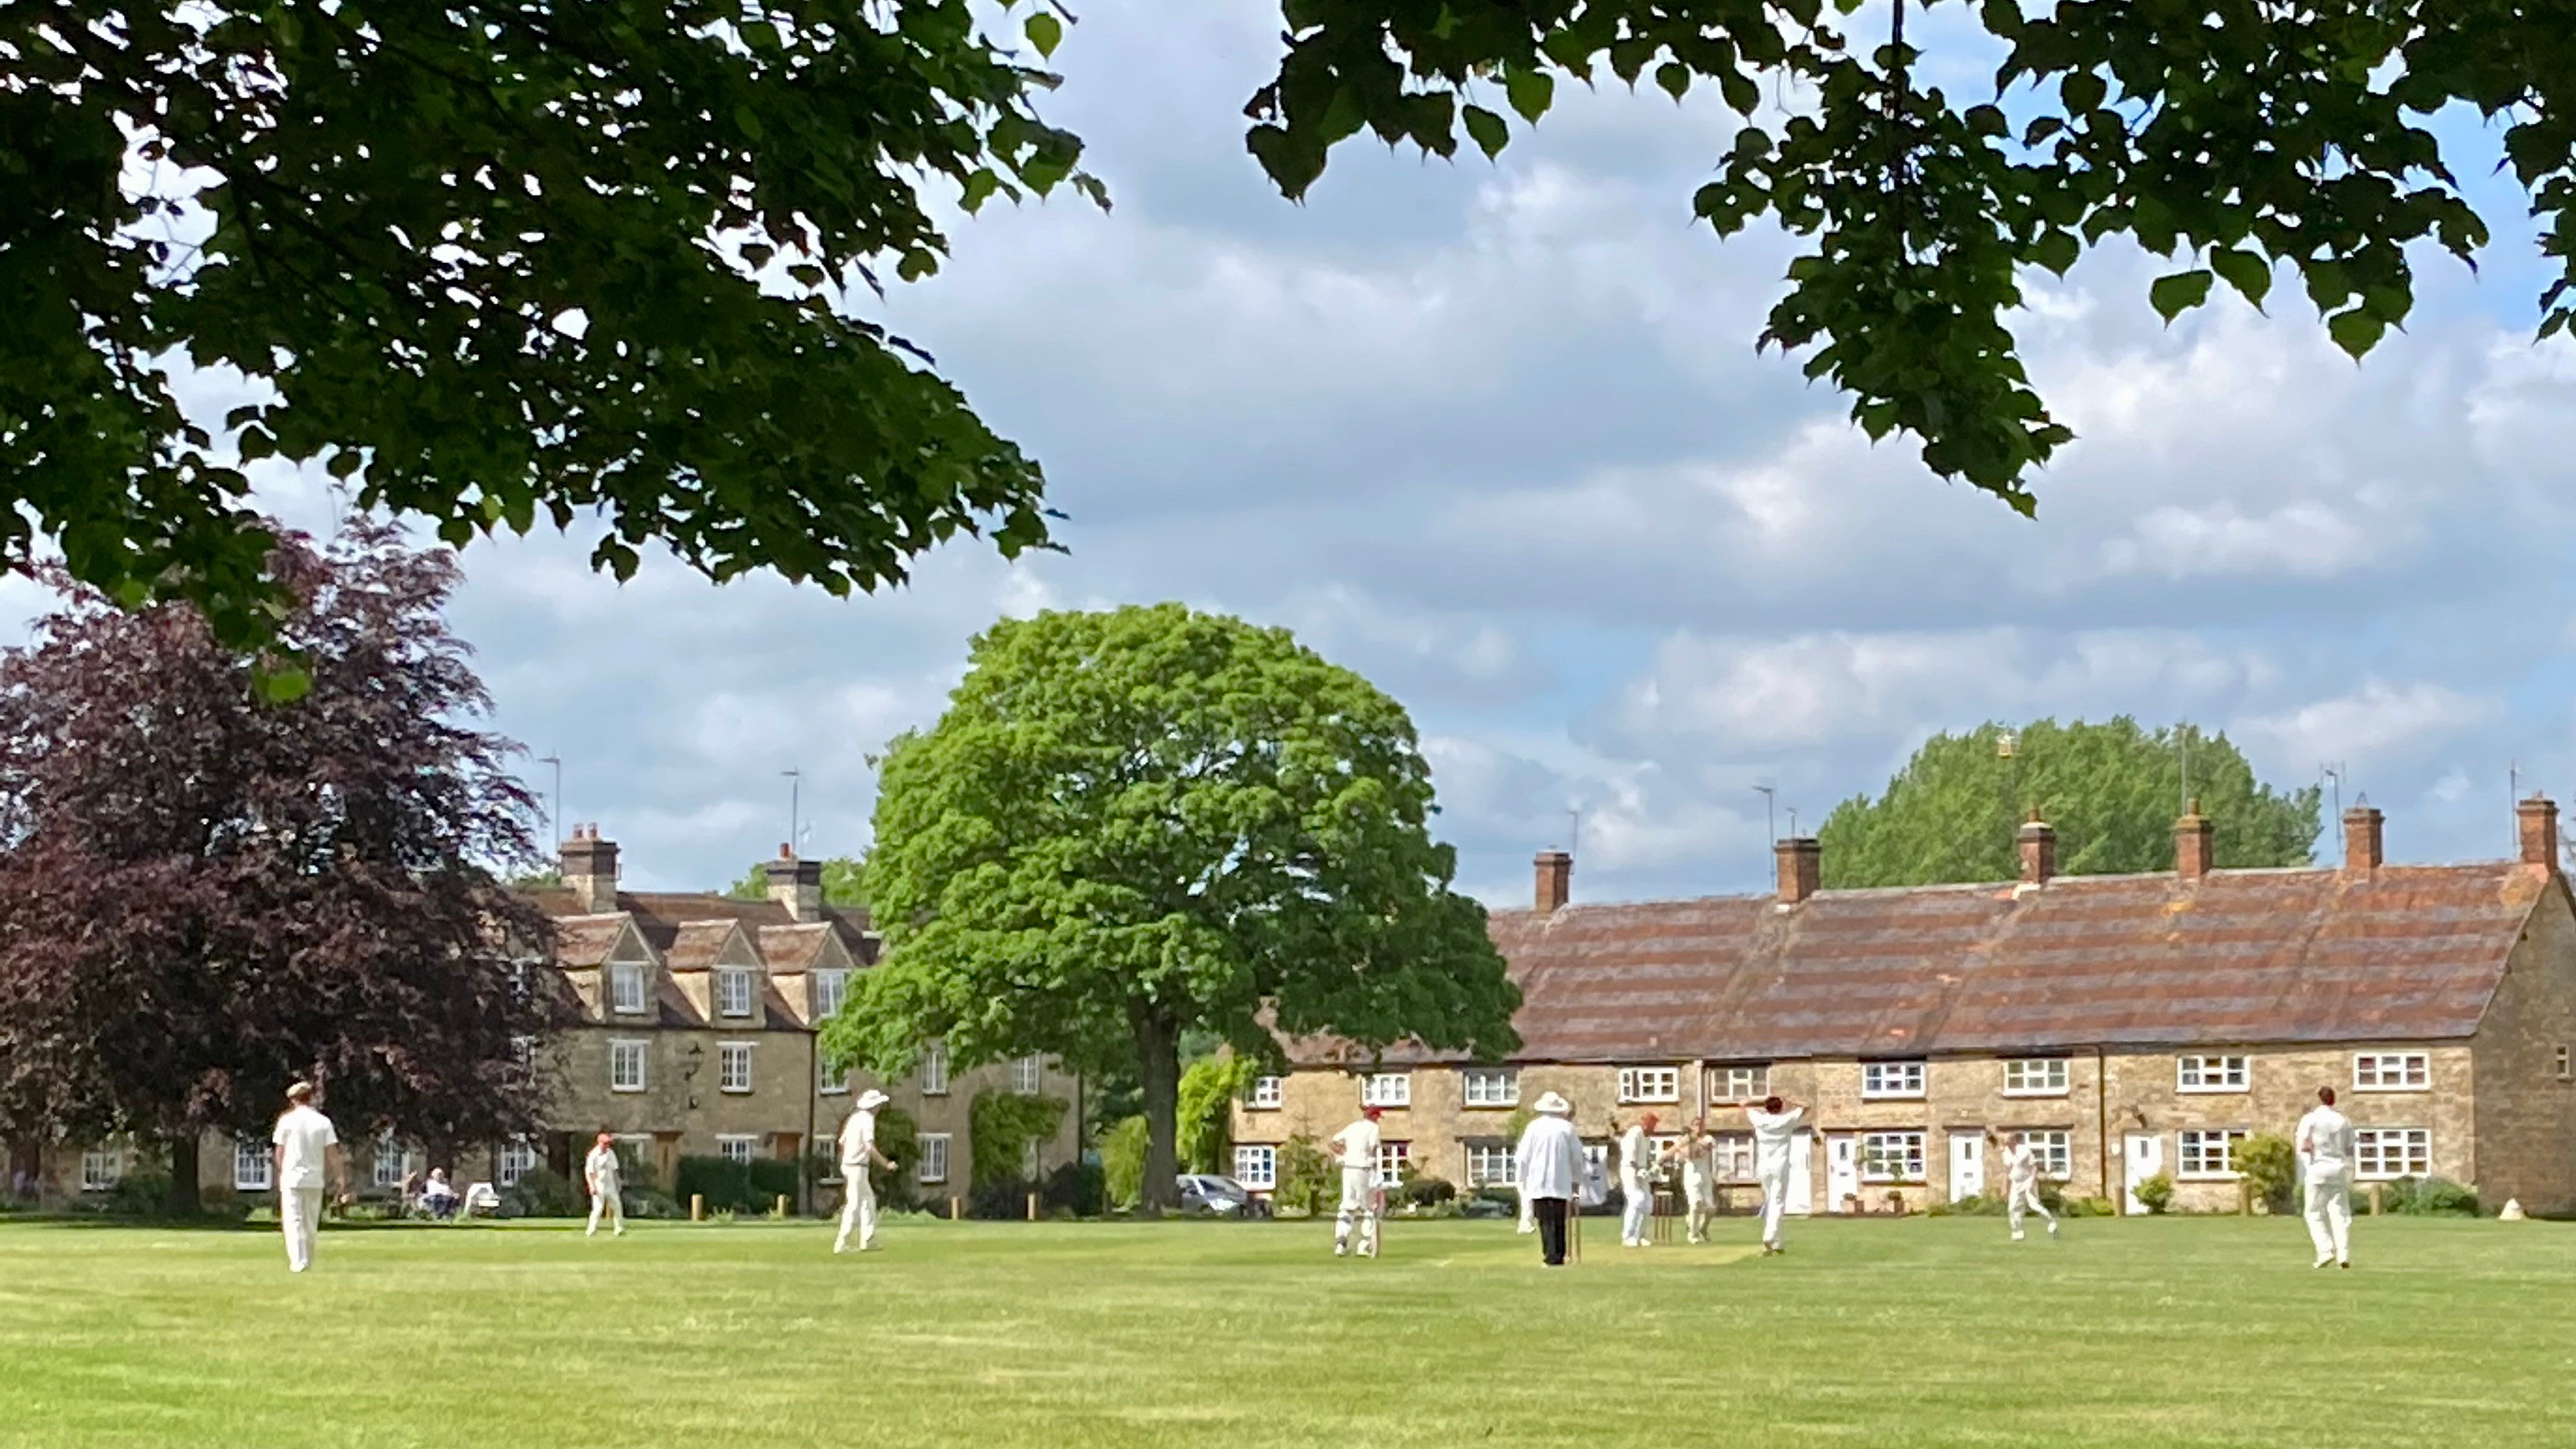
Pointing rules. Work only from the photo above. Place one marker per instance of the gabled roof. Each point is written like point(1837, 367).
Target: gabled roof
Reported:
point(588, 941)
point(661, 915)
point(697, 945)
point(2401, 953)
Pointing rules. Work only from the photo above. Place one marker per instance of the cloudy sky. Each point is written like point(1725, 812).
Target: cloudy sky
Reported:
point(1497, 437)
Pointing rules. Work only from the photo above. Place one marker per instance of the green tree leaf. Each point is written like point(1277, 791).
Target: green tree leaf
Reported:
point(1491, 132)
point(2249, 274)
point(2180, 292)
point(1044, 31)
point(1530, 92)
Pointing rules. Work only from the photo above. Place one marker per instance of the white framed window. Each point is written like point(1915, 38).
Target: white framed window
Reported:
point(2210, 1074)
point(1256, 1164)
point(517, 1160)
point(733, 1066)
point(830, 1080)
point(2392, 1072)
point(2209, 1155)
point(934, 1157)
point(831, 988)
point(2383, 1153)
point(1739, 1083)
point(2564, 1073)
point(1891, 1157)
point(934, 1079)
point(1489, 1087)
point(735, 1148)
point(626, 988)
point(2054, 1151)
point(2035, 1077)
point(1386, 1089)
point(1734, 1156)
point(1028, 1075)
point(1492, 1164)
point(1649, 1084)
point(101, 1168)
point(1391, 1160)
point(1891, 1079)
point(626, 1066)
point(733, 991)
point(254, 1166)
point(1267, 1093)
point(387, 1171)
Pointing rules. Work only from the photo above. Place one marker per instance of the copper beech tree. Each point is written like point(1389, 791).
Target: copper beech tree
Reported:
point(204, 894)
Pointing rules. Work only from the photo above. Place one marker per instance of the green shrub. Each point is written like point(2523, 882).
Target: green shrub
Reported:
point(2270, 1167)
point(541, 1192)
point(898, 1187)
point(1001, 1125)
point(1307, 1179)
point(2088, 1207)
point(651, 1203)
point(1122, 1163)
point(2428, 1197)
point(1423, 1192)
point(138, 1195)
point(2156, 1193)
point(1079, 1188)
point(1006, 1202)
point(736, 1187)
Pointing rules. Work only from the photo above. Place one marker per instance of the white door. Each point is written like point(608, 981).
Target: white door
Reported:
point(1842, 1171)
point(1967, 1165)
point(1802, 1175)
point(2144, 1157)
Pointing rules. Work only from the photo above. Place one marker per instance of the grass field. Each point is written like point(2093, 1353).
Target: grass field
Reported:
point(1900, 1333)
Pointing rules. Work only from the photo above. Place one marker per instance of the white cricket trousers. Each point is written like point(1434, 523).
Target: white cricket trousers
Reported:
point(607, 1203)
point(858, 1211)
point(2024, 1198)
point(1701, 1194)
point(1775, 1200)
point(299, 1212)
point(1358, 1190)
point(1637, 1206)
point(2330, 1213)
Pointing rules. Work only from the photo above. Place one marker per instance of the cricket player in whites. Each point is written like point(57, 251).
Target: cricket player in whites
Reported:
point(1775, 1127)
point(1636, 1182)
point(306, 1148)
point(600, 1173)
point(1360, 1197)
point(1699, 1178)
point(858, 1154)
point(2021, 1182)
point(2325, 1153)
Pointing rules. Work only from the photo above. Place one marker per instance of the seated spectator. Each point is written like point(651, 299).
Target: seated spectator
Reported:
point(437, 1196)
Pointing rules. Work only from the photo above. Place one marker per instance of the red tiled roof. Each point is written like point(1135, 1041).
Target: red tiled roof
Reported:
point(2404, 953)
point(586, 940)
point(695, 945)
point(660, 915)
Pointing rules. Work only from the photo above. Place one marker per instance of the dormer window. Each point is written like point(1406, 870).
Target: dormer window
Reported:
point(733, 991)
point(829, 989)
point(626, 987)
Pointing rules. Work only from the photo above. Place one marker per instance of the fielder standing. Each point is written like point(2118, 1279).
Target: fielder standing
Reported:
point(1775, 1127)
point(2325, 1152)
point(307, 1150)
point(858, 1154)
point(1699, 1178)
point(1637, 1182)
point(2021, 1180)
point(1360, 1199)
point(600, 1173)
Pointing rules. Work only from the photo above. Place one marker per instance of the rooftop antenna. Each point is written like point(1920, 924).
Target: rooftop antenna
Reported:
point(795, 803)
point(2333, 775)
point(1573, 828)
point(554, 814)
point(2185, 733)
point(1793, 821)
point(1770, 810)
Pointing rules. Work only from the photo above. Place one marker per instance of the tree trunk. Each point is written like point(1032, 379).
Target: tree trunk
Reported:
point(1158, 1076)
point(183, 1201)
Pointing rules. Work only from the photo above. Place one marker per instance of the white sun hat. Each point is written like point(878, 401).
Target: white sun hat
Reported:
point(872, 1099)
point(1553, 1105)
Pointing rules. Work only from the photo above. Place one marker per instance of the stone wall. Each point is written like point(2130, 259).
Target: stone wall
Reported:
point(2526, 1090)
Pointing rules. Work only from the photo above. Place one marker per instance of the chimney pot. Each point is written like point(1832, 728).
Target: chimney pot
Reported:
point(2536, 821)
point(2363, 838)
point(2038, 840)
point(797, 885)
point(589, 868)
point(1801, 866)
point(2194, 853)
point(1555, 881)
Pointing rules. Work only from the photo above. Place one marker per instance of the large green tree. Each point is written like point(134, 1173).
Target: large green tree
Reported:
point(2239, 137)
point(1129, 825)
point(2111, 790)
point(499, 262)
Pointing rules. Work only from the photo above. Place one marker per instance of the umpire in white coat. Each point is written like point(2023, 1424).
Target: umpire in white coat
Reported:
point(1549, 1165)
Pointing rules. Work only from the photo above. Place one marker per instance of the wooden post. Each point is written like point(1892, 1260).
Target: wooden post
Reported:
point(697, 1207)
point(781, 1210)
point(2244, 1198)
point(1033, 1206)
point(954, 1205)
point(2374, 1197)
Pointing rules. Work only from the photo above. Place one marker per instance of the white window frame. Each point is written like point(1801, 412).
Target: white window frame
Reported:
point(1267, 1094)
point(1489, 1087)
point(934, 1158)
point(2204, 1073)
point(733, 1067)
point(2053, 1149)
point(2038, 1077)
point(1256, 1165)
point(2372, 1149)
point(934, 1074)
point(1735, 1156)
point(1902, 1080)
point(2198, 1138)
point(2371, 1071)
point(623, 974)
point(1492, 1164)
point(516, 1159)
point(1907, 1147)
point(828, 1082)
point(101, 1168)
point(737, 1147)
point(1738, 1084)
point(254, 1165)
point(1392, 1158)
point(388, 1152)
point(1648, 1086)
point(633, 1049)
point(734, 991)
point(2566, 1068)
point(1386, 1089)
point(830, 988)
point(1028, 1074)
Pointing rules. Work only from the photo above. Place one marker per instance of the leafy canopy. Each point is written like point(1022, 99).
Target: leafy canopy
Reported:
point(498, 262)
point(1132, 824)
point(2237, 136)
point(2112, 791)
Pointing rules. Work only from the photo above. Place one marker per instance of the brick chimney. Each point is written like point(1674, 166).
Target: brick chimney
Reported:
point(2361, 838)
point(2537, 819)
point(1555, 881)
point(796, 884)
point(2193, 853)
point(589, 866)
point(1802, 867)
point(2038, 850)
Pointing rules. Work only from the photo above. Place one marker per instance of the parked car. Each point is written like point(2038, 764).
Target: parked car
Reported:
point(1206, 1194)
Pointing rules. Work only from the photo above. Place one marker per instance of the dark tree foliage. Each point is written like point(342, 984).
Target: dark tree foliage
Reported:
point(204, 895)
point(2241, 137)
point(497, 262)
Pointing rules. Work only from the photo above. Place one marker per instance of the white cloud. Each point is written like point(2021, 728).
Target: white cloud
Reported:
point(2372, 724)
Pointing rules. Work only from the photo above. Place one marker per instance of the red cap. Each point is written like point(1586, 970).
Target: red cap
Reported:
point(1372, 1113)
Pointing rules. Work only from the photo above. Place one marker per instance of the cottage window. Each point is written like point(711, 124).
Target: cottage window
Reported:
point(1489, 1087)
point(1267, 1092)
point(2035, 1077)
point(516, 1161)
point(1491, 1164)
point(253, 1165)
point(626, 1066)
point(934, 1080)
point(1649, 1084)
point(1891, 1157)
point(2392, 1072)
point(1891, 1079)
point(1734, 1157)
point(1028, 1075)
point(2054, 1152)
point(1256, 1164)
point(101, 1168)
point(733, 991)
point(2210, 1074)
point(830, 1080)
point(1392, 1158)
point(733, 1066)
point(1386, 1089)
point(736, 1149)
point(1739, 1084)
point(2210, 1155)
point(626, 988)
point(934, 1157)
point(830, 987)
point(2384, 1153)
point(389, 1163)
